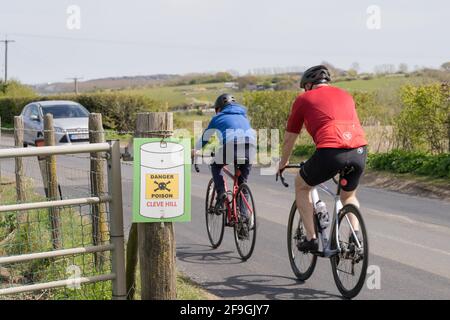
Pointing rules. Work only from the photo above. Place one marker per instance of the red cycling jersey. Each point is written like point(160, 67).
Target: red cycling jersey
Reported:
point(329, 116)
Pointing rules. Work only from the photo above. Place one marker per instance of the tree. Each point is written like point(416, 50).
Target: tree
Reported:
point(223, 77)
point(352, 73)
point(446, 66)
point(244, 81)
point(355, 66)
point(384, 69)
point(403, 68)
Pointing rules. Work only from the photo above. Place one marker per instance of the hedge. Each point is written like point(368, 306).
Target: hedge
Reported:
point(419, 163)
point(270, 109)
point(118, 110)
point(398, 161)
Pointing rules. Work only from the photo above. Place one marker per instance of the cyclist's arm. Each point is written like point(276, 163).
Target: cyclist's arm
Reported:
point(206, 136)
point(293, 128)
point(288, 145)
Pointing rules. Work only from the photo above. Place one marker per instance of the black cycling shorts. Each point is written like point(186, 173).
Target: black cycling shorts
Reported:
point(325, 163)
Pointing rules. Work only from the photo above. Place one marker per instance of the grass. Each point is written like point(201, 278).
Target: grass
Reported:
point(189, 290)
point(34, 235)
point(181, 95)
point(380, 83)
point(113, 135)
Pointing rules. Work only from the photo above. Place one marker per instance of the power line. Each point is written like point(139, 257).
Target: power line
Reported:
point(75, 82)
point(6, 41)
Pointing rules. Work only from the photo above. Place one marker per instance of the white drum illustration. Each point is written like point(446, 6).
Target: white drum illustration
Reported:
point(162, 180)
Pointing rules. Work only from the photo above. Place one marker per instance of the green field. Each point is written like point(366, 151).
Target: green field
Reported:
point(180, 95)
point(381, 83)
point(206, 93)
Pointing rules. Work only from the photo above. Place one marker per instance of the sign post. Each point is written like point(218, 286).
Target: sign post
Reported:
point(161, 195)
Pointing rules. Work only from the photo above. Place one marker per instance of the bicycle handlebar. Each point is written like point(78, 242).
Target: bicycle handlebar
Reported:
point(196, 167)
point(290, 166)
point(295, 166)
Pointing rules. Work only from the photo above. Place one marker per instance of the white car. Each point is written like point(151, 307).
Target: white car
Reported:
point(71, 121)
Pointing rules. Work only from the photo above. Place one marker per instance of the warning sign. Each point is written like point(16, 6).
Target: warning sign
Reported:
point(161, 186)
point(162, 180)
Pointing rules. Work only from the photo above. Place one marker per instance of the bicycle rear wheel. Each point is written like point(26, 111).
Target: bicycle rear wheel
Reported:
point(350, 265)
point(215, 220)
point(245, 229)
point(302, 263)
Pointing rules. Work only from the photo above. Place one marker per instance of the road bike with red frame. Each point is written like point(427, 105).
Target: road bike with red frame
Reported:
point(236, 211)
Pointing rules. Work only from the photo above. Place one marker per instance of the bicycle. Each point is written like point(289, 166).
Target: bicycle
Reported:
point(340, 244)
point(231, 213)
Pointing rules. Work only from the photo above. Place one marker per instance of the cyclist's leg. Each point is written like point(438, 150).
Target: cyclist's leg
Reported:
point(245, 172)
point(217, 174)
point(304, 205)
point(357, 159)
point(322, 166)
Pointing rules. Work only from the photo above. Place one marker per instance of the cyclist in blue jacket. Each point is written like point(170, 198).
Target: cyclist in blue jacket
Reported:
point(237, 139)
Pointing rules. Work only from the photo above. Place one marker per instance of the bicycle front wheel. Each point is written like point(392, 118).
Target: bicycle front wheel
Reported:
point(215, 220)
point(302, 263)
point(245, 229)
point(350, 265)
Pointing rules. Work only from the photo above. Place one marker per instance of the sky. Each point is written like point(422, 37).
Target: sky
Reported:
point(142, 37)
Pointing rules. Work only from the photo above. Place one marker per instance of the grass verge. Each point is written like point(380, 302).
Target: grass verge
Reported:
point(30, 232)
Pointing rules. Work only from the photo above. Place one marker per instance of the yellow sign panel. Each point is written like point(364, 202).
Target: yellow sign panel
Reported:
point(161, 186)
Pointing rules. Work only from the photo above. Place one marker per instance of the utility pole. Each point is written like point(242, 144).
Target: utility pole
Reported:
point(6, 41)
point(75, 81)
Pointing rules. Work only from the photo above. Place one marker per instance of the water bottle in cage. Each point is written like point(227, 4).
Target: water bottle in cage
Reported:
point(324, 219)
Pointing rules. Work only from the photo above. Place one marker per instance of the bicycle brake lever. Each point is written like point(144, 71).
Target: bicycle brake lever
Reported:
point(197, 169)
point(283, 181)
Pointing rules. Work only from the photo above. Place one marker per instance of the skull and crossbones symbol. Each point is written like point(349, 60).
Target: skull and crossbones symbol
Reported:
point(162, 186)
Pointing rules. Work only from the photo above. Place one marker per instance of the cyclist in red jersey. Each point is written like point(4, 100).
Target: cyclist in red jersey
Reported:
point(329, 115)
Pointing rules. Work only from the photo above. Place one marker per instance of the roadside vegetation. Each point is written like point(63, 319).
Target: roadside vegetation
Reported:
point(400, 110)
point(30, 232)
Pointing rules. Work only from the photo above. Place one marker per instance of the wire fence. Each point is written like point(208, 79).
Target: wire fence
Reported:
point(44, 230)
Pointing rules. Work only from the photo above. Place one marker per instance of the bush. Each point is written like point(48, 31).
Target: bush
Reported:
point(268, 109)
point(15, 89)
point(400, 161)
point(118, 110)
point(304, 150)
point(424, 122)
point(376, 107)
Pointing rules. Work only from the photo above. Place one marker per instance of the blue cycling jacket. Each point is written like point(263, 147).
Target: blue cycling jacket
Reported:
point(230, 124)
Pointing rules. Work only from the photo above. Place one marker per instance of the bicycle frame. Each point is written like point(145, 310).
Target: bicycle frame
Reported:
point(231, 210)
point(326, 248)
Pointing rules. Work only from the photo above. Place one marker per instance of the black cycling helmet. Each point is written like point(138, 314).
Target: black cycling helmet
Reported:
point(223, 100)
point(315, 75)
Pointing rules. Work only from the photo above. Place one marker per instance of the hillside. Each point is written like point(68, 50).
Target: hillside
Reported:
point(111, 83)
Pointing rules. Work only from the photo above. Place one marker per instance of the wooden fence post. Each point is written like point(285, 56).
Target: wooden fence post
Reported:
point(98, 187)
point(55, 220)
point(20, 183)
point(156, 241)
point(18, 142)
point(131, 261)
